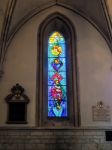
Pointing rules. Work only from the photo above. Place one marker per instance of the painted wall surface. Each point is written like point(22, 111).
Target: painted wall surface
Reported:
point(109, 4)
point(94, 67)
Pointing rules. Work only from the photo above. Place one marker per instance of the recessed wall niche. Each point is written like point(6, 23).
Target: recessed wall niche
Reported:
point(51, 94)
point(17, 105)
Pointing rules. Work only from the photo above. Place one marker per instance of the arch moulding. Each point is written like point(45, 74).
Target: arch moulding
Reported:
point(57, 22)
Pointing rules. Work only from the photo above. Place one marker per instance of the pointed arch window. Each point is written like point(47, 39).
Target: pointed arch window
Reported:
point(57, 85)
point(56, 78)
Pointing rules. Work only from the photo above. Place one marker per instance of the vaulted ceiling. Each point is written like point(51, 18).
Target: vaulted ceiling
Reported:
point(93, 10)
point(14, 12)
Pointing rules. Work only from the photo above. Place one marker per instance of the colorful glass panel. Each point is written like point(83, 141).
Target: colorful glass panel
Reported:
point(57, 88)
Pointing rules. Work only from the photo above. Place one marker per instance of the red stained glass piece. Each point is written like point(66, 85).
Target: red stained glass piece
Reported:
point(56, 78)
point(56, 93)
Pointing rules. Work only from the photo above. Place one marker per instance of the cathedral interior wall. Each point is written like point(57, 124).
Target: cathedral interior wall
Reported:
point(93, 67)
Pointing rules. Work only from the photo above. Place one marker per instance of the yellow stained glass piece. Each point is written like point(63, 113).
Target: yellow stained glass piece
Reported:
point(56, 50)
point(56, 37)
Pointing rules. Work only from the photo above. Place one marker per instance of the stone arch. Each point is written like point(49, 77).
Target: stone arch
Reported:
point(57, 22)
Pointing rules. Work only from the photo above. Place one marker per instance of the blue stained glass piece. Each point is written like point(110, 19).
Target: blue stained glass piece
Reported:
point(61, 66)
point(57, 88)
point(53, 112)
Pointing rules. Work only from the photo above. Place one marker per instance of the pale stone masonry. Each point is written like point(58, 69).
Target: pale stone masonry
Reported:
point(53, 139)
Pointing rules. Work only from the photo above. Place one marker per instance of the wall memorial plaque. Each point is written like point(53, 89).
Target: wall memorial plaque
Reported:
point(17, 105)
point(101, 112)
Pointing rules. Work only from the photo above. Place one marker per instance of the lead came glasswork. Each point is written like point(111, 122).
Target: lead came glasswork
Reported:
point(57, 88)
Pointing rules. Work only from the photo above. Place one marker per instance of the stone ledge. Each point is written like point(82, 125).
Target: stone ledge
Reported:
point(15, 127)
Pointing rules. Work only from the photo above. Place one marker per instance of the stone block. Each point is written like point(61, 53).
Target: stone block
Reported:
point(90, 147)
point(9, 146)
point(78, 139)
point(100, 133)
point(35, 146)
point(105, 146)
point(75, 146)
point(41, 133)
point(56, 147)
point(21, 147)
point(93, 140)
point(73, 133)
point(31, 141)
point(90, 132)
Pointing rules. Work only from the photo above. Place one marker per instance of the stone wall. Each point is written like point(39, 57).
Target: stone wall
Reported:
point(53, 139)
point(94, 63)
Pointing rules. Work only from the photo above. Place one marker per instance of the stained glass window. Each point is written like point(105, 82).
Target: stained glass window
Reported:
point(57, 88)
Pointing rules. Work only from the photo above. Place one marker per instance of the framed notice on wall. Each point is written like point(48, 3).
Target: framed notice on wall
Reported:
point(100, 112)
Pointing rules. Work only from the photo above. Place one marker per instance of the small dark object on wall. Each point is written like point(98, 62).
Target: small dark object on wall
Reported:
point(108, 135)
